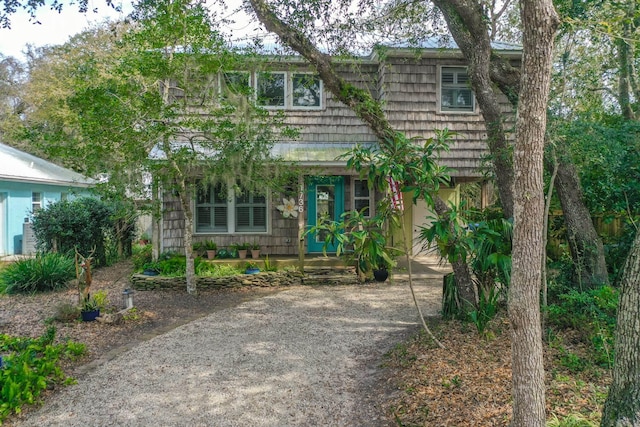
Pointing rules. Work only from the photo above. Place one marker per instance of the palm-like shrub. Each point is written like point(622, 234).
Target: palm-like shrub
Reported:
point(46, 272)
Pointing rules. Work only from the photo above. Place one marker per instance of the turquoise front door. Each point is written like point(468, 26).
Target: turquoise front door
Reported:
point(326, 199)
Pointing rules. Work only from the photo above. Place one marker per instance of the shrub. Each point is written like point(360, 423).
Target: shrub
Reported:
point(66, 313)
point(593, 314)
point(141, 255)
point(172, 265)
point(30, 365)
point(46, 272)
point(216, 270)
point(85, 223)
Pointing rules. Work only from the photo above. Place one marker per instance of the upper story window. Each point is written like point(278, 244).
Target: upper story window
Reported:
point(306, 91)
point(455, 93)
point(278, 89)
point(271, 90)
point(236, 82)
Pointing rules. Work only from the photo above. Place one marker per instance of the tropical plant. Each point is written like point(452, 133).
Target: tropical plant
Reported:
point(269, 265)
point(485, 245)
point(97, 301)
point(241, 246)
point(360, 239)
point(30, 366)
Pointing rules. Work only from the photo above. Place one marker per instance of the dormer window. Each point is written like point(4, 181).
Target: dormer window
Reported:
point(455, 93)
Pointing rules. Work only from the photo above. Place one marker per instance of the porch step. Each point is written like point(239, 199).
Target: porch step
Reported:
point(329, 275)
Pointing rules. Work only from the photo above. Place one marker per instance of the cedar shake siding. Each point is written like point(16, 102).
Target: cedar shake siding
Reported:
point(409, 83)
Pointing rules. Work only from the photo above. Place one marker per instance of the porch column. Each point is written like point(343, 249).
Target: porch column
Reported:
point(301, 223)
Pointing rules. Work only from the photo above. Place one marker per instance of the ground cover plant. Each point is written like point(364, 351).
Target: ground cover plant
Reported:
point(28, 366)
point(45, 272)
point(172, 264)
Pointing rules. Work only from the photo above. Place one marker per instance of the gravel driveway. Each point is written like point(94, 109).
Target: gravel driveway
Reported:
point(305, 356)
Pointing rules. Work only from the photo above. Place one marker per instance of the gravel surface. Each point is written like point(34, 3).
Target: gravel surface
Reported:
point(305, 356)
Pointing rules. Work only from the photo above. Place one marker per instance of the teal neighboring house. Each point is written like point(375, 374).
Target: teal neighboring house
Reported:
point(28, 183)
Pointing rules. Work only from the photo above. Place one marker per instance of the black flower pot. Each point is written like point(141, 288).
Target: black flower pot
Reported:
point(380, 275)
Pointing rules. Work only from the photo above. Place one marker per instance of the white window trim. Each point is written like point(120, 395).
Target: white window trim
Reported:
point(286, 90)
point(439, 93)
point(39, 204)
point(231, 216)
point(300, 107)
point(254, 76)
point(372, 196)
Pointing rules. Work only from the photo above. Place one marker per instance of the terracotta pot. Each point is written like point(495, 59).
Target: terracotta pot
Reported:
point(211, 254)
point(242, 253)
point(255, 253)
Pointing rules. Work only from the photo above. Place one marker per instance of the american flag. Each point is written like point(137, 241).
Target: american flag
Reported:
point(396, 194)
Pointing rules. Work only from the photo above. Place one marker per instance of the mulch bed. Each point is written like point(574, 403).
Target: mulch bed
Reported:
point(469, 382)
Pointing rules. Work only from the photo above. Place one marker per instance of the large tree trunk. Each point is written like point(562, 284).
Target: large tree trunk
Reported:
point(467, 24)
point(185, 200)
point(622, 408)
point(539, 21)
point(586, 247)
point(470, 31)
point(624, 79)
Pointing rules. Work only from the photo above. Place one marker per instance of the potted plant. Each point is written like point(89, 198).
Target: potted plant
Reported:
point(251, 268)
point(151, 269)
point(380, 271)
point(198, 249)
point(211, 247)
point(361, 240)
point(242, 249)
point(144, 239)
point(255, 250)
point(91, 306)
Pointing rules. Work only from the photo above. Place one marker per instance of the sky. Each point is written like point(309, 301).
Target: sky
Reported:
point(56, 28)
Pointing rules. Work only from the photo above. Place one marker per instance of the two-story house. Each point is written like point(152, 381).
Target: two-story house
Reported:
point(421, 90)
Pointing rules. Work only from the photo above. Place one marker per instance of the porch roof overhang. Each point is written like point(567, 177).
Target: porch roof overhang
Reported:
point(302, 153)
point(315, 153)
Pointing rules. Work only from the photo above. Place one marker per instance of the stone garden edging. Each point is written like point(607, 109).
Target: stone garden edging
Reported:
point(268, 279)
